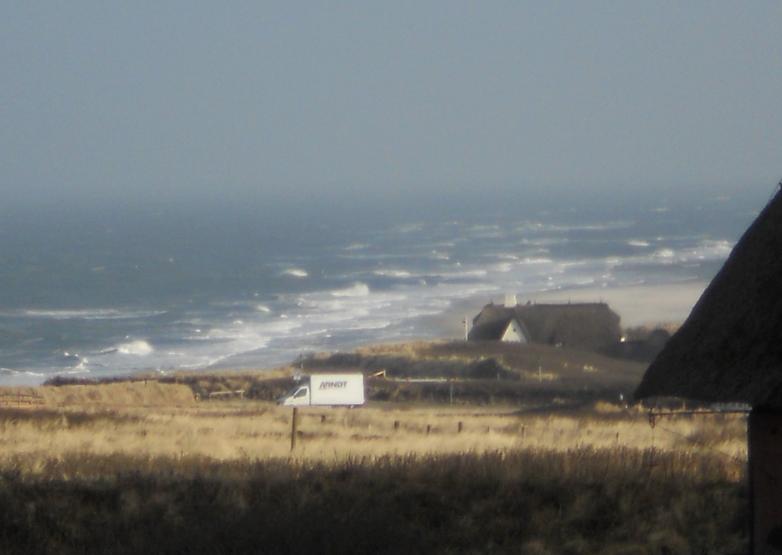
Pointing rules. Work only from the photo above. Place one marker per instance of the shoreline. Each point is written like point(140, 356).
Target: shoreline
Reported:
point(637, 305)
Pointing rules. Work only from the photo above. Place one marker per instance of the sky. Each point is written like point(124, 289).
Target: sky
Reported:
point(251, 101)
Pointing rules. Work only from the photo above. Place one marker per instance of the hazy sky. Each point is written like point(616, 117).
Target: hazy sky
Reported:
point(241, 99)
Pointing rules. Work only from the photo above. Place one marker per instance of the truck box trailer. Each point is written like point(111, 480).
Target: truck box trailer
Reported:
point(327, 390)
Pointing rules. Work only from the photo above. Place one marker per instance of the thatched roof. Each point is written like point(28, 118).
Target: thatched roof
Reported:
point(583, 325)
point(730, 347)
point(494, 324)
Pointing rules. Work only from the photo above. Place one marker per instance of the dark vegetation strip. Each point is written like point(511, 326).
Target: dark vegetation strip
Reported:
point(609, 501)
point(60, 418)
point(468, 392)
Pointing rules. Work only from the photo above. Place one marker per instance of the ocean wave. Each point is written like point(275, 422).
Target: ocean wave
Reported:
point(138, 347)
point(439, 255)
point(12, 372)
point(81, 367)
point(665, 254)
point(409, 228)
point(540, 227)
point(83, 314)
point(295, 272)
point(464, 274)
point(503, 267)
point(393, 273)
point(638, 243)
point(358, 289)
point(356, 247)
point(536, 260)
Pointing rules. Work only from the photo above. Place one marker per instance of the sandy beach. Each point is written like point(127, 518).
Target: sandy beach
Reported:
point(637, 305)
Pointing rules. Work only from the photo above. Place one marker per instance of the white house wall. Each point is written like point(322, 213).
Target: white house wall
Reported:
point(514, 334)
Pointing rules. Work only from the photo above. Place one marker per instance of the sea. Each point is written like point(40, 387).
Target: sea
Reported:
point(97, 290)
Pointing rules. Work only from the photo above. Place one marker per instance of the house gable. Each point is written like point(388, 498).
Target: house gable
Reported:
point(515, 333)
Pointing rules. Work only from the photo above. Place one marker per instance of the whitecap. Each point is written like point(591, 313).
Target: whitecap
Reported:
point(263, 308)
point(409, 228)
point(138, 347)
point(295, 272)
point(85, 314)
point(666, 254)
point(537, 260)
point(356, 247)
point(358, 289)
point(393, 273)
point(638, 243)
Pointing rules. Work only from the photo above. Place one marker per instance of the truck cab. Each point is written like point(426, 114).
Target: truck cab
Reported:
point(299, 396)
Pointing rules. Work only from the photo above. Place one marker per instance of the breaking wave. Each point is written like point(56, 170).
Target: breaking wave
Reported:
point(358, 289)
point(84, 314)
point(295, 272)
point(139, 347)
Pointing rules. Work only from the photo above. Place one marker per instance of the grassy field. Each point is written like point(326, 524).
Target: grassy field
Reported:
point(231, 430)
point(616, 501)
point(165, 473)
point(543, 460)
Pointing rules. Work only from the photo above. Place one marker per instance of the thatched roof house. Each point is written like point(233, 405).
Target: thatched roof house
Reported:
point(730, 348)
point(589, 326)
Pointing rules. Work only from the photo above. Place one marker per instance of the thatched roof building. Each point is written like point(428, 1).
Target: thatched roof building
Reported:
point(589, 326)
point(730, 348)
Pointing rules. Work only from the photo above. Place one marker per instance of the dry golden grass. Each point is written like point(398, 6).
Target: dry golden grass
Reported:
point(241, 430)
point(160, 472)
point(120, 394)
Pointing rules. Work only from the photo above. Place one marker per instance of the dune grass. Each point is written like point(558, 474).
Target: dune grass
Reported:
point(94, 476)
point(231, 430)
point(584, 501)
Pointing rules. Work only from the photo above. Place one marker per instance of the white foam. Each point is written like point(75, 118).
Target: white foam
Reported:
point(12, 372)
point(536, 260)
point(138, 347)
point(358, 289)
point(409, 228)
point(81, 367)
point(263, 308)
point(356, 247)
point(84, 314)
point(638, 243)
point(296, 272)
point(666, 254)
point(503, 267)
point(393, 273)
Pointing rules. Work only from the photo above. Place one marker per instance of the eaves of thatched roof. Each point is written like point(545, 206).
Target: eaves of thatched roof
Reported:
point(582, 325)
point(730, 347)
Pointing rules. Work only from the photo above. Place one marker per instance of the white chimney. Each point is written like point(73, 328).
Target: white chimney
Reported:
point(510, 300)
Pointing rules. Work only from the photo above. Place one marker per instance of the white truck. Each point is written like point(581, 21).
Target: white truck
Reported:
point(327, 390)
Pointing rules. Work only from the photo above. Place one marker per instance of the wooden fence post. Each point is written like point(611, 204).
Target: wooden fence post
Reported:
point(294, 424)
